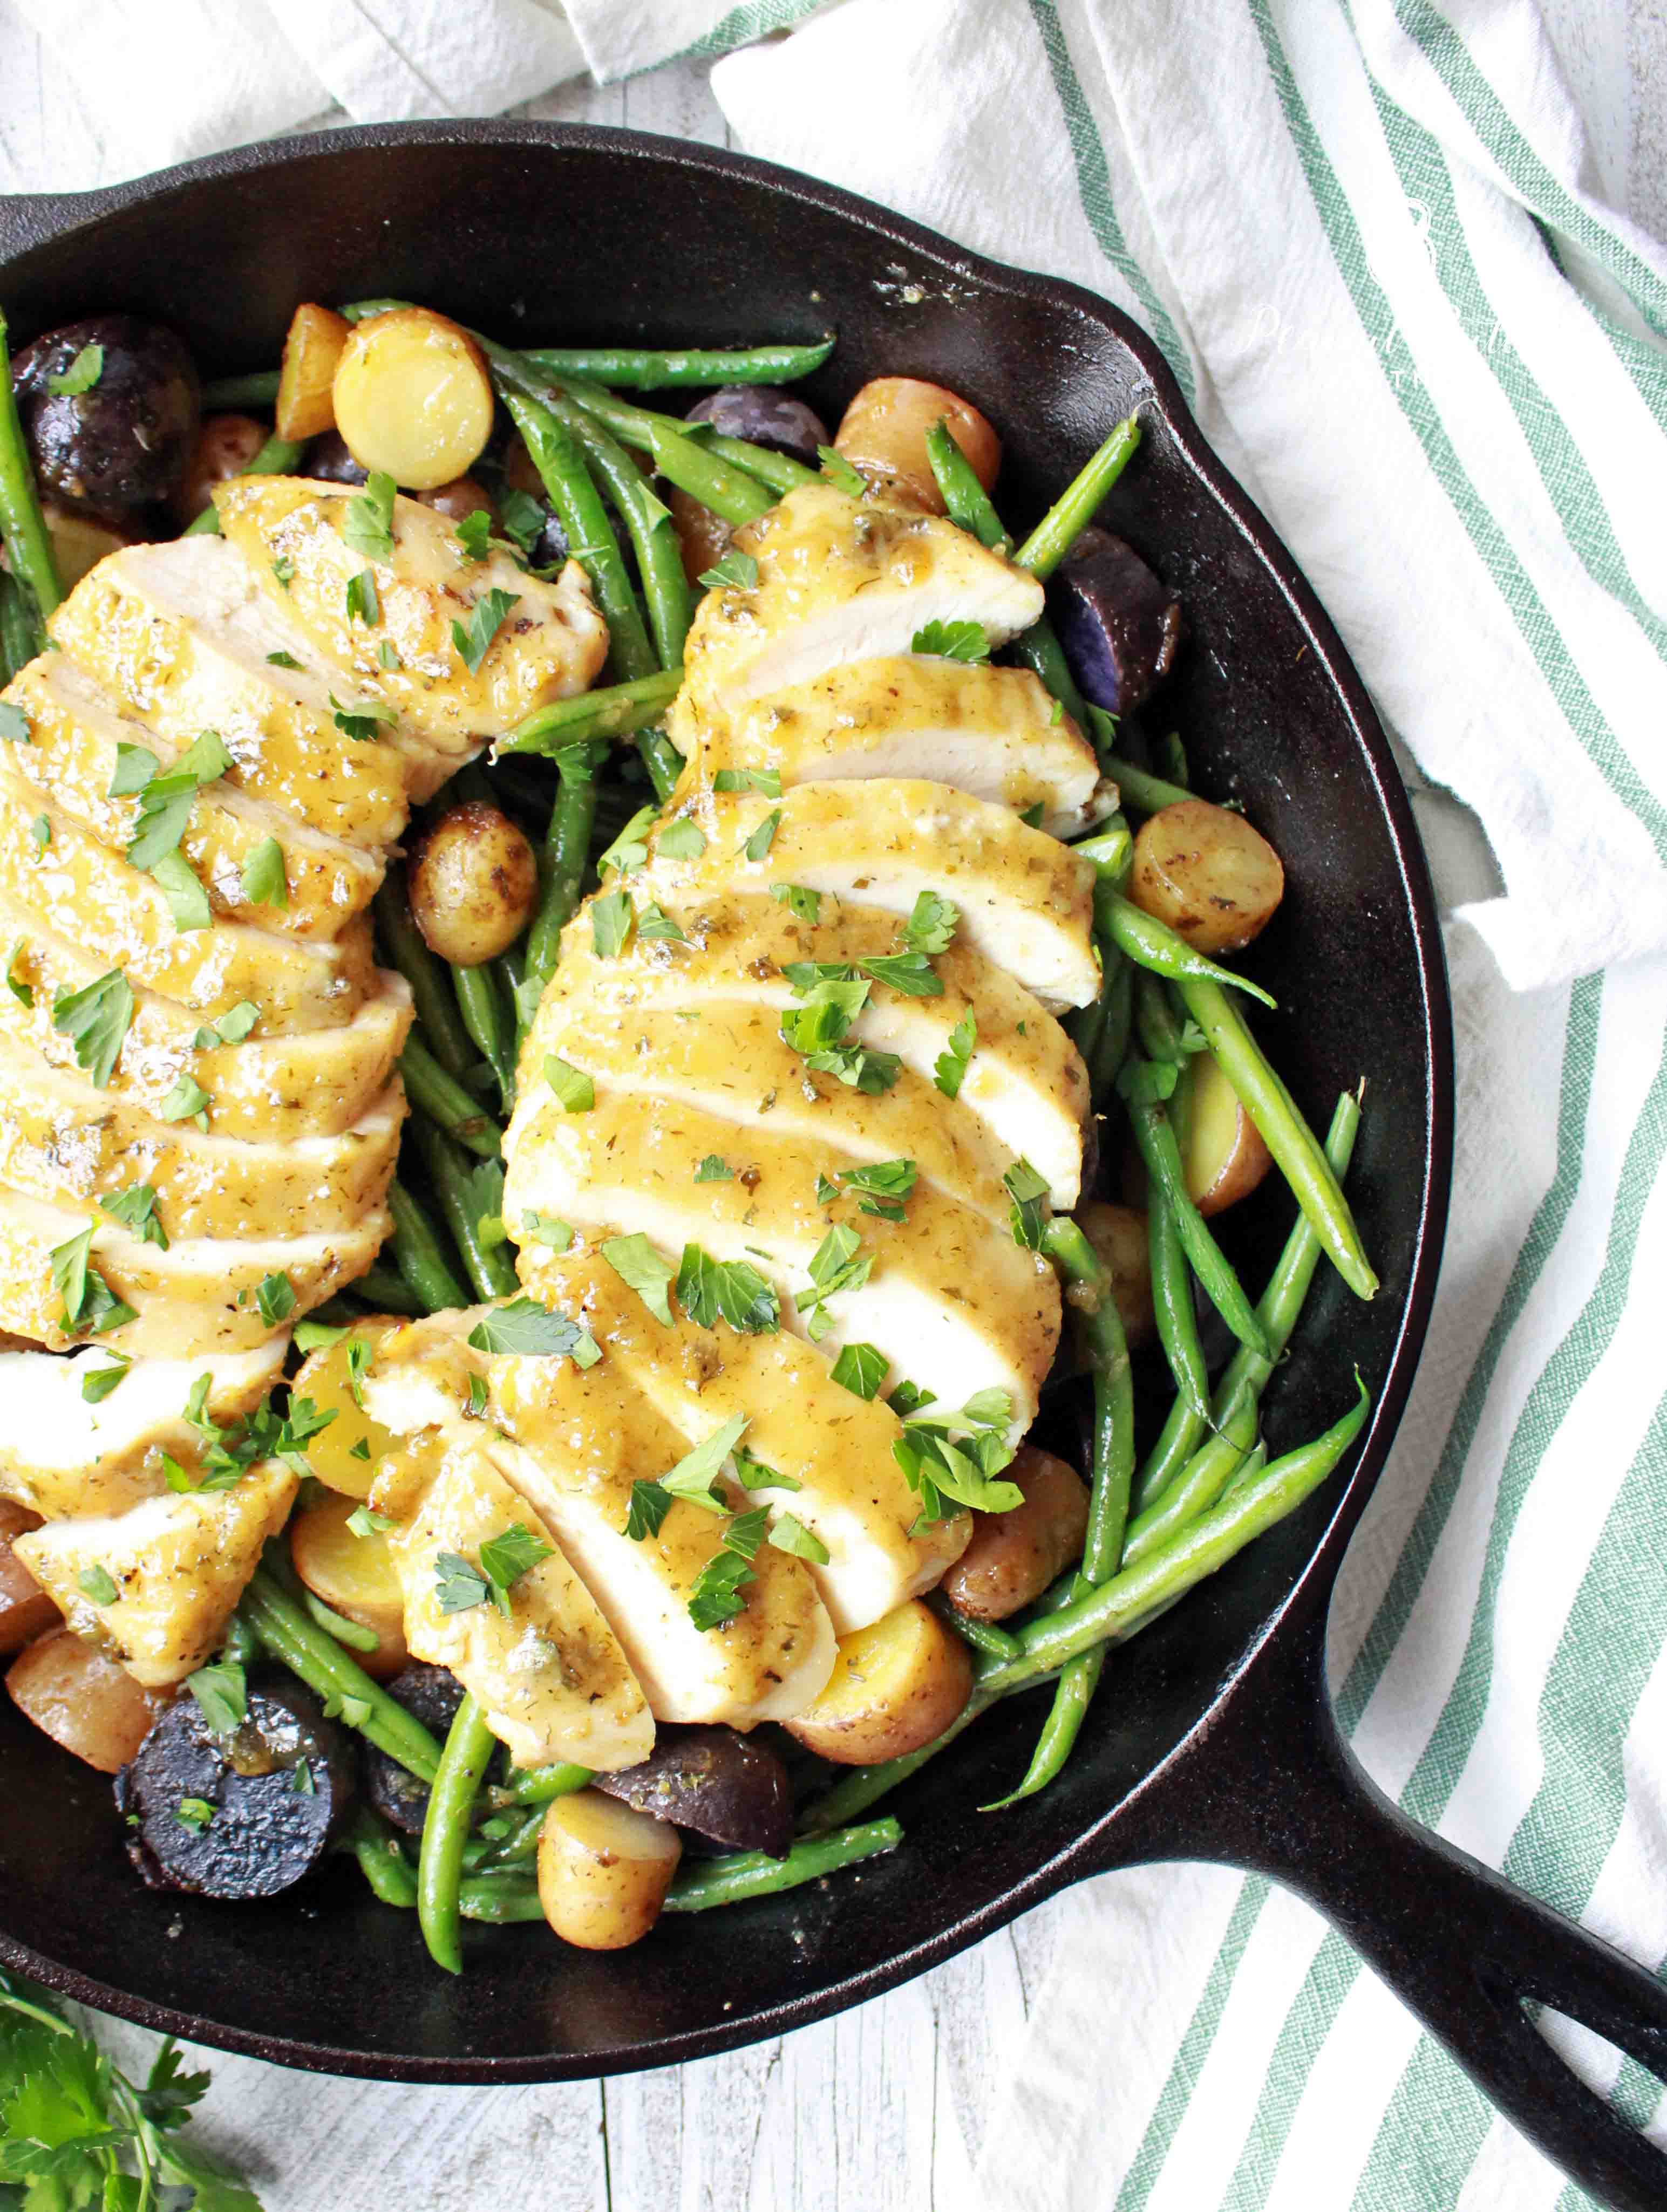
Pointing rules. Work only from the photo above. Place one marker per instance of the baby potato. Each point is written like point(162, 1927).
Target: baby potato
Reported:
point(460, 498)
point(1224, 1157)
point(604, 1870)
point(333, 1454)
point(895, 1687)
point(82, 1700)
point(882, 432)
point(473, 883)
point(80, 540)
point(1015, 1556)
point(412, 396)
point(225, 446)
point(26, 1611)
point(355, 1576)
point(702, 536)
point(307, 378)
point(1117, 1234)
point(1205, 872)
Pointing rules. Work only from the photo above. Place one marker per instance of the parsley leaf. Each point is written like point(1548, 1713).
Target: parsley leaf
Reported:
point(629, 849)
point(860, 1369)
point(97, 1383)
point(546, 1228)
point(275, 1296)
point(41, 829)
point(474, 534)
point(575, 1093)
point(83, 374)
point(654, 921)
point(187, 901)
point(715, 1596)
point(187, 1102)
point(525, 1327)
point(792, 1535)
point(459, 1587)
point(737, 571)
point(844, 475)
point(803, 904)
point(196, 1814)
point(697, 1470)
point(682, 840)
point(950, 1068)
point(757, 846)
point(753, 1473)
point(641, 1268)
point(715, 1168)
point(14, 724)
point(766, 781)
point(885, 1186)
point(135, 766)
point(136, 1210)
point(98, 1585)
point(367, 525)
point(645, 1515)
point(364, 1523)
point(362, 603)
point(1028, 1214)
point(232, 1028)
point(610, 919)
point(953, 641)
point(221, 1693)
point(281, 660)
point(362, 721)
point(22, 992)
point(505, 1557)
point(733, 1291)
point(839, 1263)
point(523, 521)
point(911, 973)
point(746, 1531)
point(265, 882)
point(932, 925)
point(473, 639)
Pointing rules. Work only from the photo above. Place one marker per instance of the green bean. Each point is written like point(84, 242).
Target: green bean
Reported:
point(22, 526)
point(752, 1874)
point(1153, 944)
point(482, 1010)
point(470, 1744)
point(1293, 1145)
point(1136, 787)
point(560, 461)
point(444, 1100)
point(498, 1899)
point(1039, 650)
point(654, 535)
point(258, 389)
point(1154, 1136)
point(520, 1843)
point(562, 869)
point(610, 713)
point(1154, 1018)
point(18, 633)
point(298, 1643)
point(537, 1785)
point(983, 1635)
point(388, 1292)
point(1100, 1032)
point(1078, 504)
point(663, 762)
point(279, 456)
point(239, 1643)
point(490, 1268)
point(421, 1256)
point(1110, 849)
point(648, 369)
point(643, 426)
point(403, 944)
point(352, 1633)
point(779, 471)
point(1171, 1300)
point(690, 463)
point(1174, 756)
point(381, 1860)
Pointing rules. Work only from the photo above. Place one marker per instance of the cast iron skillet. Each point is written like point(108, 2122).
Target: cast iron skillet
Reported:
point(1213, 1736)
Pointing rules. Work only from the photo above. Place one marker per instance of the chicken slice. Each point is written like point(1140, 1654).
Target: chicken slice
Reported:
point(62, 1454)
point(839, 579)
point(833, 1448)
point(1025, 901)
point(72, 758)
point(185, 637)
point(729, 1060)
point(549, 641)
point(1024, 1080)
point(177, 1566)
point(572, 1442)
point(62, 1140)
point(551, 1677)
point(84, 891)
point(992, 732)
point(952, 1307)
point(201, 1295)
point(316, 1083)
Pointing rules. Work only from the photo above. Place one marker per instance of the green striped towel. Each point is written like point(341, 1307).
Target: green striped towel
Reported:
point(1364, 236)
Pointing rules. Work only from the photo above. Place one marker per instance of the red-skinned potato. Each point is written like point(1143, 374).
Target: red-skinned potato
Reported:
point(1117, 1234)
point(604, 1870)
point(1204, 871)
point(896, 1686)
point(883, 432)
point(703, 537)
point(1224, 1157)
point(1013, 1557)
point(316, 340)
point(462, 497)
point(26, 1611)
point(82, 1700)
point(473, 883)
point(225, 446)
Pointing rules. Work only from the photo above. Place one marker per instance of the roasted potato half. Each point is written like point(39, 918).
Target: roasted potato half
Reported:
point(26, 1611)
point(316, 340)
point(1224, 1157)
point(354, 1575)
point(1117, 1234)
point(473, 884)
point(604, 1870)
point(1204, 871)
point(895, 1687)
point(1015, 1556)
point(412, 397)
point(82, 1700)
point(883, 432)
point(225, 446)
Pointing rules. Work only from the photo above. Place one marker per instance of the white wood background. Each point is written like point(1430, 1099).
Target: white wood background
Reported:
point(881, 2110)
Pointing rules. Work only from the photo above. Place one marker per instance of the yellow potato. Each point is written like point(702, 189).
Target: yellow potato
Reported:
point(473, 883)
point(1117, 1234)
point(1206, 872)
point(1224, 1156)
point(604, 1870)
point(82, 1700)
point(311, 351)
point(333, 1453)
point(26, 1611)
point(355, 1576)
point(225, 446)
point(80, 540)
point(895, 1687)
point(412, 397)
point(1013, 1557)
point(883, 432)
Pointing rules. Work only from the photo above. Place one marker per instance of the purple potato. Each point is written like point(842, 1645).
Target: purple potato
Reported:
point(1118, 625)
point(763, 415)
point(328, 460)
point(726, 1789)
point(127, 440)
point(433, 1695)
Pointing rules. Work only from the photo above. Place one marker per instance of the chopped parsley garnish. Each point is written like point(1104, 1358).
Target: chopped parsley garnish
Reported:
point(165, 799)
point(911, 973)
point(83, 374)
point(14, 724)
point(765, 780)
point(629, 848)
point(682, 840)
point(136, 1210)
point(265, 882)
point(89, 1305)
point(281, 660)
point(231, 1028)
point(301, 1780)
point(195, 1814)
point(716, 1594)
point(709, 1290)
point(97, 1018)
point(753, 1473)
point(1028, 1215)
point(757, 846)
point(362, 603)
point(504, 1558)
point(97, 1383)
point(546, 1228)
point(575, 1093)
point(275, 1296)
point(187, 1102)
point(473, 639)
point(737, 571)
point(525, 1327)
point(715, 1168)
point(40, 830)
point(646, 1513)
point(364, 1523)
point(187, 901)
point(362, 721)
point(459, 1587)
point(318, 1335)
point(885, 1188)
point(611, 918)
point(387, 654)
point(949, 1070)
point(951, 640)
point(367, 525)
point(477, 1399)
point(22, 992)
point(790, 1534)
point(641, 1268)
point(860, 1369)
point(98, 1585)
point(523, 521)
point(474, 534)
point(839, 1263)
point(654, 921)
point(957, 1457)
point(817, 1029)
point(221, 1693)
point(804, 904)
point(1032, 817)
point(932, 924)
point(284, 569)
point(697, 1470)
point(842, 474)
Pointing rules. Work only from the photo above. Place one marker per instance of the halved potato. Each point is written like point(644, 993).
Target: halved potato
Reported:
point(1204, 871)
point(311, 351)
point(1117, 1234)
point(343, 1456)
point(355, 1576)
point(80, 540)
point(883, 432)
point(1015, 1556)
point(895, 1687)
point(473, 884)
point(225, 446)
point(1224, 1156)
point(604, 1870)
point(26, 1611)
point(82, 1700)
point(412, 396)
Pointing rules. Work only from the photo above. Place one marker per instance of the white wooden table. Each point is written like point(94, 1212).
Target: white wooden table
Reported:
point(881, 2110)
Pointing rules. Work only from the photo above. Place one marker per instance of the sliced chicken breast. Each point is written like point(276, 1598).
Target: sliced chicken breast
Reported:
point(839, 579)
point(551, 1677)
point(992, 732)
point(954, 1307)
point(572, 1441)
point(318, 1083)
point(177, 1564)
point(546, 643)
point(1024, 1080)
point(62, 1454)
point(75, 730)
point(1026, 901)
point(184, 636)
point(60, 1139)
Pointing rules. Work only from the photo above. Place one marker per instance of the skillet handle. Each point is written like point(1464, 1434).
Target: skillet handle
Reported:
point(1461, 1947)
